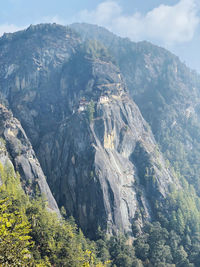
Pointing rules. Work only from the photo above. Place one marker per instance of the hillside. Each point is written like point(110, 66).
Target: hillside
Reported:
point(167, 93)
point(113, 125)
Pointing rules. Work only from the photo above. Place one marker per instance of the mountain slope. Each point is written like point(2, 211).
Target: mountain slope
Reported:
point(98, 153)
point(16, 152)
point(166, 92)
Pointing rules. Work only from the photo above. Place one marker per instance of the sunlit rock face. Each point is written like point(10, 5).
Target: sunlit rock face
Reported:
point(17, 153)
point(99, 155)
point(167, 93)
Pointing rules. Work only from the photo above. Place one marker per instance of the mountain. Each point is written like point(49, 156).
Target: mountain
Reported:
point(87, 133)
point(113, 125)
point(16, 153)
point(167, 93)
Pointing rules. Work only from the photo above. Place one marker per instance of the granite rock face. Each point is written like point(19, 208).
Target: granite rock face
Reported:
point(16, 150)
point(96, 150)
point(31, 62)
point(167, 93)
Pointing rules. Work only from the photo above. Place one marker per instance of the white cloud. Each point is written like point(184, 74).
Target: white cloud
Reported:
point(104, 14)
point(7, 28)
point(166, 24)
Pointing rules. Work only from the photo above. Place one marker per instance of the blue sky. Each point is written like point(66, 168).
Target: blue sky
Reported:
point(173, 24)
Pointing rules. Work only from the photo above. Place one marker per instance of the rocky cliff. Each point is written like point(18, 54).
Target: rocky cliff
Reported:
point(167, 93)
point(99, 155)
point(104, 148)
point(16, 152)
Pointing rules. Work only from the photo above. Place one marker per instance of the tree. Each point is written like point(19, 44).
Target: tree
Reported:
point(15, 241)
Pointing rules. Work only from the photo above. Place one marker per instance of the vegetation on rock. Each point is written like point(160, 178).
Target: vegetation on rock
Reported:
point(30, 235)
point(98, 170)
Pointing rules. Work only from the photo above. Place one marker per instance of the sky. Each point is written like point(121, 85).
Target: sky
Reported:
point(173, 24)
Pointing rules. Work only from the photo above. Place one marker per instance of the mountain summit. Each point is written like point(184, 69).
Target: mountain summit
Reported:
point(114, 127)
point(90, 138)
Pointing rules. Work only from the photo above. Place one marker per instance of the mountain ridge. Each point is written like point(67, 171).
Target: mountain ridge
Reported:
point(114, 127)
point(166, 92)
point(74, 84)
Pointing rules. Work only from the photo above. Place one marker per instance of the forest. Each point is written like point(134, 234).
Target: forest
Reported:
point(30, 235)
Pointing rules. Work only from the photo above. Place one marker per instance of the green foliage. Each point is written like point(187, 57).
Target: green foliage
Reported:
point(30, 235)
point(56, 239)
point(15, 240)
point(184, 160)
point(11, 185)
point(39, 238)
point(172, 240)
point(91, 110)
point(117, 250)
point(2, 144)
point(96, 50)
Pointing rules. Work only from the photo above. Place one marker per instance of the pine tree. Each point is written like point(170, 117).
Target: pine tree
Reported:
point(15, 241)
